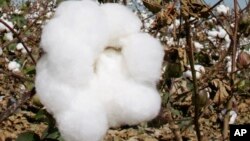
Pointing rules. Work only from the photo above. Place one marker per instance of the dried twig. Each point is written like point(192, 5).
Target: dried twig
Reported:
point(20, 40)
point(12, 109)
point(234, 49)
point(195, 90)
point(16, 76)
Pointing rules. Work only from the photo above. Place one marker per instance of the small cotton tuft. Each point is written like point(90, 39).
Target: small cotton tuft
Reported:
point(14, 66)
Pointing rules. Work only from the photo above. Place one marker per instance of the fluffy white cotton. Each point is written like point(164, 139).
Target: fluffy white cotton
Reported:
point(14, 66)
point(222, 32)
point(8, 36)
point(19, 46)
point(121, 21)
point(143, 55)
point(199, 71)
point(98, 71)
point(222, 9)
point(120, 92)
point(212, 33)
point(233, 115)
point(198, 46)
point(3, 27)
point(176, 24)
point(75, 40)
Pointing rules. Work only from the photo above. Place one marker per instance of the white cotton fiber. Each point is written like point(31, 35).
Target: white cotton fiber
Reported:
point(72, 42)
point(143, 56)
point(85, 120)
point(125, 100)
point(98, 70)
point(121, 21)
point(14, 66)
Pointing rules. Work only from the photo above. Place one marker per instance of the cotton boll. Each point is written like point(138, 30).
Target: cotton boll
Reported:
point(199, 71)
point(19, 46)
point(89, 85)
point(233, 116)
point(144, 56)
point(228, 41)
point(212, 33)
point(24, 51)
point(221, 33)
point(222, 9)
point(8, 36)
point(121, 21)
point(14, 66)
point(199, 68)
point(187, 74)
point(198, 46)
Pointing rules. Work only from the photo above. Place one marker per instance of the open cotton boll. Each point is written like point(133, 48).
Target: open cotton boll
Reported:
point(19, 46)
point(198, 46)
point(89, 85)
point(212, 33)
point(143, 56)
point(8, 36)
point(199, 68)
point(222, 32)
point(199, 71)
point(222, 9)
point(188, 74)
point(121, 21)
point(24, 51)
point(14, 66)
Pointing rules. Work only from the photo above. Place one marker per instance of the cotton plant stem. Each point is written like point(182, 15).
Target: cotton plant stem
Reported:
point(190, 52)
point(19, 39)
point(234, 50)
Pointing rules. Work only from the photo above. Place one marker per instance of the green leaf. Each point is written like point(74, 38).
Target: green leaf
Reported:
point(40, 115)
point(19, 20)
point(30, 70)
point(12, 46)
point(53, 135)
point(4, 3)
point(28, 136)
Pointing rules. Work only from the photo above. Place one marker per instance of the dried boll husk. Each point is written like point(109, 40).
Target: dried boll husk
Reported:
point(243, 60)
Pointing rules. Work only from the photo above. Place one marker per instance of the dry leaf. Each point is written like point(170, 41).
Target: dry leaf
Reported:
point(221, 94)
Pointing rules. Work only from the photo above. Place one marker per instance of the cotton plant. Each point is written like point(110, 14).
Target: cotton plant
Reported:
point(199, 71)
point(98, 71)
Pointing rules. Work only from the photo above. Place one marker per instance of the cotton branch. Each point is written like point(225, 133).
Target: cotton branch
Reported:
point(20, 40)
point(234, 49)
point(190, 53)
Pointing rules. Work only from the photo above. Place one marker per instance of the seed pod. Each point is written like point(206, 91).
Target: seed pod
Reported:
point(243, 60)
